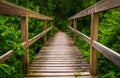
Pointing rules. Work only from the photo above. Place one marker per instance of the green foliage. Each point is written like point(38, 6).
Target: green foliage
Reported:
point(109, 31)
point(109, 75)
point(7, 71)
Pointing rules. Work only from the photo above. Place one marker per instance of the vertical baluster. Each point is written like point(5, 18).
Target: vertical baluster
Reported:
point(24, 37)
point(94, 36)
point(45, 36)
point(70, 24)
point(75, 27)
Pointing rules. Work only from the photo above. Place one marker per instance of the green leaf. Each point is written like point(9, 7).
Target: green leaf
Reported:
point(5, 68)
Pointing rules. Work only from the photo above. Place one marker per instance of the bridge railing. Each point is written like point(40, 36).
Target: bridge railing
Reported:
point(95, 46)
point(12, 9)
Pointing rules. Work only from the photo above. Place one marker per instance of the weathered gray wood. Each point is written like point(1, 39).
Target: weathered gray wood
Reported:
point(94, 36)
point(12, 9)
point(5, 56)
point(110, 54)
point(85, 37)
point(98, 7)
point(24, 37)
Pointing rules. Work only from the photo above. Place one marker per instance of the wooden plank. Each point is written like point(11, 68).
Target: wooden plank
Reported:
point(59, 68)
point(56, 71)
point(12, 9)
point(75, 27)
point(66, 77)
point(59, 65)
point(24, 37)
point(83, 36)
point(94, 36)
point(59, 62)
point(5, 56)
point(108, 53)
point(34, 39)
point(45, 36)
point(102, 5)
point(57, 74)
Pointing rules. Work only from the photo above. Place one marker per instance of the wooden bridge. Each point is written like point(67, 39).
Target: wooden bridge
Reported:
point(59, 57)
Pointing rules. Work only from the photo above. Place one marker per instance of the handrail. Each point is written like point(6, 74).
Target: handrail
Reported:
point(5, 56)
point(109, 53)
point(96, 8)
point(30, 42)
point(85, 37)
point(34, 39)
point(12, 9)
point(95, 46)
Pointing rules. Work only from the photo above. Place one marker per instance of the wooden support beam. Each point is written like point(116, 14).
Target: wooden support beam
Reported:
point(24, 36)
point(51, 24)
point(75, 27)
point(70, 24)
point(94, 36)
point(45, 36)
point(67, 26)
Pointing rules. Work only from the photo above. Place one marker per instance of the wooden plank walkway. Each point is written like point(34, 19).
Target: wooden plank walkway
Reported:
point(59, 59)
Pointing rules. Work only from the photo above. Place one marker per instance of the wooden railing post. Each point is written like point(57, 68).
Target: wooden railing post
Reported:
point(24, 37)
point(45, 36)
point(75, 27)
point(70, 24)
point(94, 36)
point(67, 26)
point(51, 24)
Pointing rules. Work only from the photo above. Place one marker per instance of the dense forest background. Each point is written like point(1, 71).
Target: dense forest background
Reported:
point(109, 33)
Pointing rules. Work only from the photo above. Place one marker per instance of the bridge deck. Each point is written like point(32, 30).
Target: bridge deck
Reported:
point(59, 59)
